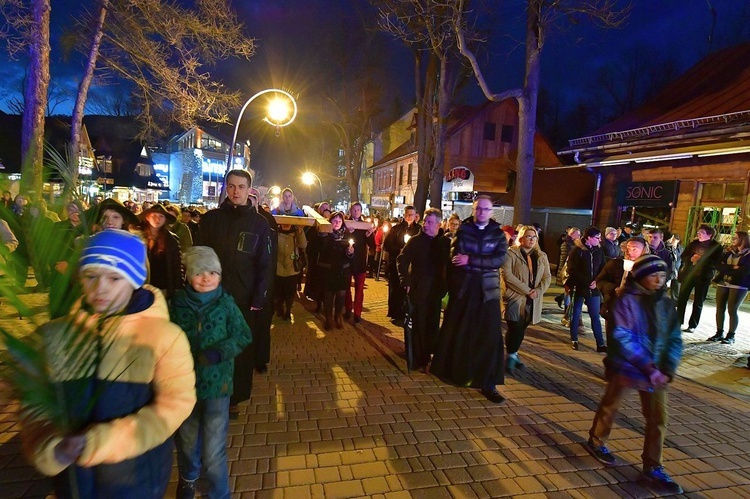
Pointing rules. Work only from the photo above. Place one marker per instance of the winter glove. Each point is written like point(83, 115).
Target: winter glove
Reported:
point(69, 449)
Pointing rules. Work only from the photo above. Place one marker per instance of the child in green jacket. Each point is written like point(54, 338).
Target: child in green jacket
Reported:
point(217, 333)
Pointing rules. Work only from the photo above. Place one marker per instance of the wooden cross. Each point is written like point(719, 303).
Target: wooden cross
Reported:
point(315, 218)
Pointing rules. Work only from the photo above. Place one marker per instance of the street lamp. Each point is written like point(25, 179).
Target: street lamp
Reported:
point(309, 178)
point(278, 115)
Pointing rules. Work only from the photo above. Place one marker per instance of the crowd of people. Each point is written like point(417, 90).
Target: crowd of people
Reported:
point(223, 274)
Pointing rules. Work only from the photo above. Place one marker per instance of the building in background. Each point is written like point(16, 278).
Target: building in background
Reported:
point(680, 160)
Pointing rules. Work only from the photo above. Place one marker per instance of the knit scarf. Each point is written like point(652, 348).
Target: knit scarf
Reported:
point(338, 235)
point(201, 301)
point(735, 256)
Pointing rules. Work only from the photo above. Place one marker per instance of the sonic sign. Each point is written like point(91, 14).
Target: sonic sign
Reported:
point(646, 193)
point(458, 179)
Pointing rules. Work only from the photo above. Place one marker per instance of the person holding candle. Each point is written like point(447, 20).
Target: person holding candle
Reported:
point(361, 240)
point(334, 264)
point(393, 244)
point(611, 280)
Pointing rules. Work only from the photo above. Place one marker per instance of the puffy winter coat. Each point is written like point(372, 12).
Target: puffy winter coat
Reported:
point(486, 249)
point(142, 390)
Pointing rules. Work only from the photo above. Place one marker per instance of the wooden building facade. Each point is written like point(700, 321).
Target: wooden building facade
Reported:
point(682, 159)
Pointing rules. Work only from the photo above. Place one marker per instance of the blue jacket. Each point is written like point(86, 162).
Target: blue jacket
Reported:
point(646, 336)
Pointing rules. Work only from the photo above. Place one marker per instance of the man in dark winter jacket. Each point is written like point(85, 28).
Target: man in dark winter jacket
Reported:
point(643, 354)
point(422, 267)
point(584, 264)
point(241, 238)
point(657, 247)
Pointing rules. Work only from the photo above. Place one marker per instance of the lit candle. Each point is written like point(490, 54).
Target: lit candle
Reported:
point(627, 265)
point(406, 238)
point(351, 242)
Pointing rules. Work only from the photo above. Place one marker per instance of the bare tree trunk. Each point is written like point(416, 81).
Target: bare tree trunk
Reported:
point(35, 102)
point(527, 105)
point(83, 91)
point(425, 142)
point(441, 132)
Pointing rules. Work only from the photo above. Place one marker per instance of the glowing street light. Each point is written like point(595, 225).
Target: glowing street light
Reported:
point(309, 178)
point(281, 112)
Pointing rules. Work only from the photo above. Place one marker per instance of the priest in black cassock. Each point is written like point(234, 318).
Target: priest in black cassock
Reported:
point(470, 345)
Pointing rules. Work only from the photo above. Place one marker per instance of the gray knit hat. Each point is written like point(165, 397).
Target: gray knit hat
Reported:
point(199, 259)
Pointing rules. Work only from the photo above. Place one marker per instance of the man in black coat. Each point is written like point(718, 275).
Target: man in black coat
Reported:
point(422, 267)
point(241, 238)
point(262, 333)
point(393, 243)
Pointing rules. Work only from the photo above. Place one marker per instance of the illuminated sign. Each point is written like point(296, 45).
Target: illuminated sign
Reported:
point(458, 179)
point(379, 202)
point(646, 193)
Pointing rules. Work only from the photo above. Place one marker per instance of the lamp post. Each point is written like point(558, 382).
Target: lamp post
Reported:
point(278, 112)
point(308, 178)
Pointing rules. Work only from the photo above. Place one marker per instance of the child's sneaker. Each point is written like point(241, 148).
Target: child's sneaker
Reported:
point(186, 489)
point(601, 453)
point(661, 478)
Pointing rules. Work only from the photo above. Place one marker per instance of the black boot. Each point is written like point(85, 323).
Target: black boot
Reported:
point(729, 340)
point(717, 337)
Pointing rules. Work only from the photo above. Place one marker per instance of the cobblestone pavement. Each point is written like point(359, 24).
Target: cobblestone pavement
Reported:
point(338, 416)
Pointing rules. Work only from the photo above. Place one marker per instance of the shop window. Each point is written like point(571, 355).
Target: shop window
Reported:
point(723, 191)
point(734, 191)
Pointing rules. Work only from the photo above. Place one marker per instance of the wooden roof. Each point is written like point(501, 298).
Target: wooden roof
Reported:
point(713, 94)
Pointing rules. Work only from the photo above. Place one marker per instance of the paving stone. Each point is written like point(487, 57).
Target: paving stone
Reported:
point(349, 488)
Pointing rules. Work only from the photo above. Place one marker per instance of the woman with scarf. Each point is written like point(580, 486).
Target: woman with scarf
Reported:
point(733, 282)
point(527, 276)
point(334, 264)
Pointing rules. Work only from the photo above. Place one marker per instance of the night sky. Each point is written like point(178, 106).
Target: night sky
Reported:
point(288, 33)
